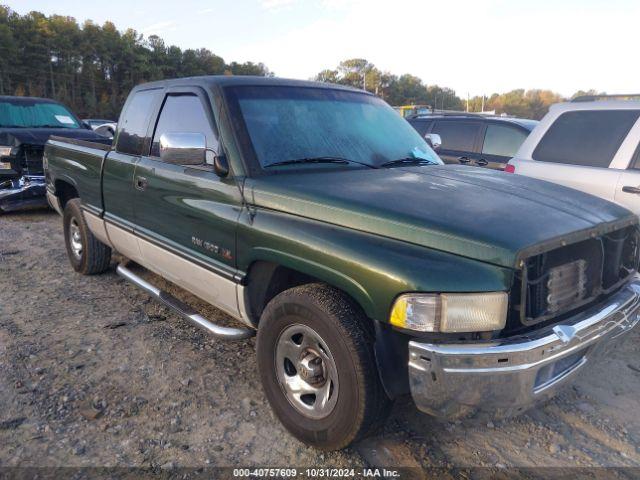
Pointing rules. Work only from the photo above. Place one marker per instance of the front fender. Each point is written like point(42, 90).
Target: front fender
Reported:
point(373, 270)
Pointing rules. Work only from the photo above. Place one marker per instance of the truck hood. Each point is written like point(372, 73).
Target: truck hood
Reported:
point(478, 213)
point(39, 136)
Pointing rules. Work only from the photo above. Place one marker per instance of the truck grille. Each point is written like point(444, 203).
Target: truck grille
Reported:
point(566, 285)
point(31, 161)
point(562, 280)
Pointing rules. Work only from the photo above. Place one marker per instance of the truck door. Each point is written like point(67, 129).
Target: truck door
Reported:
point(117, 178)
point(186, 216)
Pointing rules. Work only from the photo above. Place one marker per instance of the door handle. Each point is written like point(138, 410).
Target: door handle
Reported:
point(481, 162)
point(464, 159)
point(141, 183)
point(630, 189)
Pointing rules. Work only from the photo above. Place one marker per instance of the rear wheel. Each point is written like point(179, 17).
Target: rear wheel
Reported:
point(316, 363)
point(87, 254)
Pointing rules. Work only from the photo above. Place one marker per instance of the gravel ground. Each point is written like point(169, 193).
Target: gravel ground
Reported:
point(95, 373)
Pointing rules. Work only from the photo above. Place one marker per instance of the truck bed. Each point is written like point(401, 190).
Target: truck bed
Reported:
point(79, 163)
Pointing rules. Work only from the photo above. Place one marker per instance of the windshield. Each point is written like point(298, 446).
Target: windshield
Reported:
point(33, 114)
point(292, 123)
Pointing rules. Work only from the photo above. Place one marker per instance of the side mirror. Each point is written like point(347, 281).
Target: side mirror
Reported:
point(183, 148)
point(434, 140)
point(220, 165)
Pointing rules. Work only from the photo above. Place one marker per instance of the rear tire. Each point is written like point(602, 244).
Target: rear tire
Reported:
point(317, 366)
point(87, 254)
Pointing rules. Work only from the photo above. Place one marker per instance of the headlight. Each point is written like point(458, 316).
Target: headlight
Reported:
point(451, 312)
point(5, 165)
point(5, 151)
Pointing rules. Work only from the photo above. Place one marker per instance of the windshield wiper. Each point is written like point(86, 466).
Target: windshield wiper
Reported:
point(409, 161)
point(48, 126)
point(317, 160)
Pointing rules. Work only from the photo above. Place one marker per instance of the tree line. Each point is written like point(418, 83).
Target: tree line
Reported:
point(90, 67)
point(93, 67)
point(408, 89)
point(405, 89)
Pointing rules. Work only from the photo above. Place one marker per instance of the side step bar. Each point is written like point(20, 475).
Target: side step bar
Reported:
point(224, 333)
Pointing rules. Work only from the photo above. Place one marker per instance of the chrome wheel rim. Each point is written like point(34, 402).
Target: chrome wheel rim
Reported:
point(75, 239)
point(306, 371)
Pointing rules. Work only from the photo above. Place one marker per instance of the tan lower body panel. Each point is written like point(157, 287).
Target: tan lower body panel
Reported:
point(124, 242)
point(97, 227)
point(209, 286)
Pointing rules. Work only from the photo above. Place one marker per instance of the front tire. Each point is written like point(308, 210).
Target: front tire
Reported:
point(317, 366)
point(86, 253)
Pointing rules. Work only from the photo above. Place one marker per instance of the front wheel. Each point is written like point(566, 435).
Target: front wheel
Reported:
point(317, 366)
point(87, 254)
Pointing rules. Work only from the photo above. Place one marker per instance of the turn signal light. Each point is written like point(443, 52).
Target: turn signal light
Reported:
point(510, 168)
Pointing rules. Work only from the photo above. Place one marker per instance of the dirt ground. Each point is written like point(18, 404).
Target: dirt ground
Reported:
point(95, 373)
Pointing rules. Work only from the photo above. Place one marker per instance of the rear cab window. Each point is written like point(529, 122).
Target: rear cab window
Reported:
point(585, 137)
point(135, 122)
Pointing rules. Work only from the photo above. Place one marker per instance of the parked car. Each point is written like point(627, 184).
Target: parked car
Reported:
point(317, 216)
point(475, 139)
point(411, 110)
point(25, 125)
point(96, 122)
point(592, 144)
point(107, 130)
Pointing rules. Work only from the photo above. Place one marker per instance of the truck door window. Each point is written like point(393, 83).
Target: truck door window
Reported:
point(135, 121)
point(183, 113)
point(458, 136)
point(502, 140)
point(585, 137)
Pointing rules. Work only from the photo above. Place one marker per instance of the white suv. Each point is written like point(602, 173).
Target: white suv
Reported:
point(590, 145)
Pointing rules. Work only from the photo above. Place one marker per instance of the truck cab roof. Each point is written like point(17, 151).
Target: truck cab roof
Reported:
point(244, 80)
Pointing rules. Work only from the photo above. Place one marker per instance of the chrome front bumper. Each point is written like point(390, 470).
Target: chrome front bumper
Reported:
point(507, 376)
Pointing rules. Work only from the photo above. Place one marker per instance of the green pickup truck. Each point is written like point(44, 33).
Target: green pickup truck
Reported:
point(317, 217)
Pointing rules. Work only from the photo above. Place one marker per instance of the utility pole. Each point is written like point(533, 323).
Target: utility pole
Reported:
point(483, 102)
point(364, 81)
point(467, 101)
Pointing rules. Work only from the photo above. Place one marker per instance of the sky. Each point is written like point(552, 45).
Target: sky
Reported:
point(476, 47)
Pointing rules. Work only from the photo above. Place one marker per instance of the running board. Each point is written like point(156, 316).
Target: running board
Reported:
point(224, 333)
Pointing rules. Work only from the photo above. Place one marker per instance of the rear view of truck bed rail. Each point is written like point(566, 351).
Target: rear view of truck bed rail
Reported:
point(76, 164)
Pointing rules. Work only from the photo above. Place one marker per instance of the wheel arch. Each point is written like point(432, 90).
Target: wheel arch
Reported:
point(65, 191)
point(268, 276)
